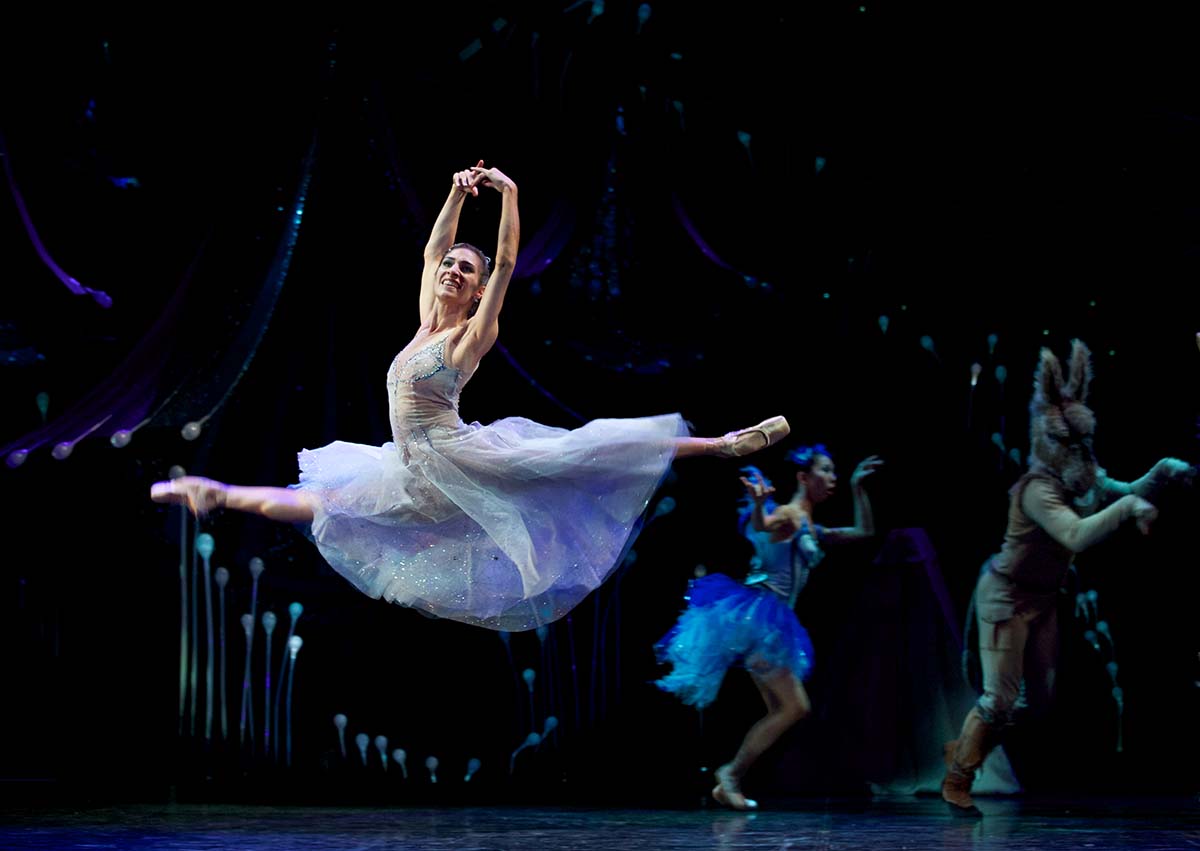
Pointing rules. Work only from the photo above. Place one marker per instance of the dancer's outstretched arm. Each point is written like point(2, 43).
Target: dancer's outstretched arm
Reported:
point(442, 235)
point(864, 518)
point(484, 326)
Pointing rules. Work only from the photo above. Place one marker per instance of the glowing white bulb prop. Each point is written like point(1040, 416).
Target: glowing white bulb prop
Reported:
point(362, 740)
point(340, 721)
point(400, 757)
point(222, 578)
point(256, 568)
point(432, 764)
point(551, 725)
point(381, 746)
point(473, 766)
point(294, 644)
point(643, 15)
point(204, 548)
point(531, 741)
point(62, 450)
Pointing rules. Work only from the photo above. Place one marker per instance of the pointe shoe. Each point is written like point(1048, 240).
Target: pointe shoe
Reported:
point(728, 793)
point(200, 495)
point(745, 441)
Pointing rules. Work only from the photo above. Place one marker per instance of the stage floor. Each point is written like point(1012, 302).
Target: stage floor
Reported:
point(1061, 825)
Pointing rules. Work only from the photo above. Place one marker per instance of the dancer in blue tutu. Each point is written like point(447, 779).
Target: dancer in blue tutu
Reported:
point(507, 525)
point(752, 624)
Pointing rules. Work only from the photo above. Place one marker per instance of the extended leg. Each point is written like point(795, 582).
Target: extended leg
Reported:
point(202, 495)
point(787, 703)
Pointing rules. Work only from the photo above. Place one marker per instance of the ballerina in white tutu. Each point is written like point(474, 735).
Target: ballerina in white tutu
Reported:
point(507, 525)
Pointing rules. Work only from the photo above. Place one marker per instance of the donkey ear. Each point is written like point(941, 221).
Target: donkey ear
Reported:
point(1048, 382)
point(1081, 371)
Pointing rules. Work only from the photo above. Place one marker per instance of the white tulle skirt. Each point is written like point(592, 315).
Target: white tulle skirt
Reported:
point(507, 526)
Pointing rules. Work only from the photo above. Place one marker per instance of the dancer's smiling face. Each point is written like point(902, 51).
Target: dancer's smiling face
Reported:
point(462, 275)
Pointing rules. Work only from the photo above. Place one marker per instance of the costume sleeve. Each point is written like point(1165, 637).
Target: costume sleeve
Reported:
point(1042, 504)
point(1148, 485)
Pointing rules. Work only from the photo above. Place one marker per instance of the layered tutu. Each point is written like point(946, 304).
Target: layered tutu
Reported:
point(507, 526)
point(727, 623)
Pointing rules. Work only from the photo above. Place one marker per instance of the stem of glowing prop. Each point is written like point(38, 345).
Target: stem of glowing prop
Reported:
point(204, 548)
point(294, 644)
point(294, 611)
point(175, 473)
point(247, 701)
point(222, 578)
point(256, 570)
point(268, 622)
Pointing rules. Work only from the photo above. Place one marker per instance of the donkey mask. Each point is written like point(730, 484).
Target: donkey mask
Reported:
point(1061, 424)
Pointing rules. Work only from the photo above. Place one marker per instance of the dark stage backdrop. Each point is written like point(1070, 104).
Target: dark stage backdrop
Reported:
point(730, 213)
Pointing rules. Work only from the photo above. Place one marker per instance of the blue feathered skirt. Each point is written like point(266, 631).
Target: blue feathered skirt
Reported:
point(727, 623)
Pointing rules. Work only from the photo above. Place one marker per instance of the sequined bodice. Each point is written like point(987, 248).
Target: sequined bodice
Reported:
point(423, 392)
point(784, 566)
